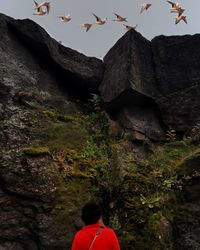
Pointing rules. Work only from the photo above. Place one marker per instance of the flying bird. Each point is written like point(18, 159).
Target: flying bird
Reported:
point(174, 5)
point(179, 18)
point(127, 27)
point(179, 11)
point(86, 25)
point(99, 21)
point(119, 18)
point(43, 4)
point(145, 6)
point(39, 12)
point(66, 18)
point(176, 8)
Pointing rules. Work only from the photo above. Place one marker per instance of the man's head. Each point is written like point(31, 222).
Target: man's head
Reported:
point(91, 213)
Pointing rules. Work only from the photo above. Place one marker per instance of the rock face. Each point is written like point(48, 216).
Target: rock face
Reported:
point(177, 67)
point(141, 123)
point(82, 74)
point(129, 81)
point(37, 75)
point(129, 71)
point(53, 153)
point(163, 74)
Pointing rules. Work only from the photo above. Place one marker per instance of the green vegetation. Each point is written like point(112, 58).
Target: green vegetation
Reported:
point(140, 196)
point(62, 131)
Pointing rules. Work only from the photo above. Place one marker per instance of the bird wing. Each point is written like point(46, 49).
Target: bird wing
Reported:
point(177, 20)
point(118, 16)
point(148, 5)
point(172, 4)
point(88, 27)
point(185, 20)
point(36, 4)
point(142, 8)
point(40, 4)
point(97, 18)
point(180, 12)
point(48, 8)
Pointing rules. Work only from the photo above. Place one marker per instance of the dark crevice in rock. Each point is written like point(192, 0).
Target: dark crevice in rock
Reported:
point(4, 93)
point(129, 98)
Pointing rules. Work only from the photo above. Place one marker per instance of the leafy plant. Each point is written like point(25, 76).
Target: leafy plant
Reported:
point(195, 133)
point(171, 135)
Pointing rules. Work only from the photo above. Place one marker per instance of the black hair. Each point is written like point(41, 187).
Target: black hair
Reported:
point(91, 213)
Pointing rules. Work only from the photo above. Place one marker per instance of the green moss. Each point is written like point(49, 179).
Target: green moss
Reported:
point(51, 114)
point(55, 116)
point(35, 151)
point(171, 154)
point(59, 135)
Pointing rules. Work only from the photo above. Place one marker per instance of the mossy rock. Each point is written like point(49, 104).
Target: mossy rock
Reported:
point(61, 131)
point(36, 151)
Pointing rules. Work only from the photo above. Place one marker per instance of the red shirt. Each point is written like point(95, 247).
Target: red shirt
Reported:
point(106, 240)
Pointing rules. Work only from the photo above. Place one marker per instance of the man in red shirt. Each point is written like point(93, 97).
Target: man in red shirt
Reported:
point(94, 235)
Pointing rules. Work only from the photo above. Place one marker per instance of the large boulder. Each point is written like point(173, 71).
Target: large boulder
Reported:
point(162, 74)
point(177, 70)
point(141, 123)
point(128, 86)
point(129, 75)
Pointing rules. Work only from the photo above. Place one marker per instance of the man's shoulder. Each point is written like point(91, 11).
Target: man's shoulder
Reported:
point(109, 231)
point(105, 230)
point(81, 230)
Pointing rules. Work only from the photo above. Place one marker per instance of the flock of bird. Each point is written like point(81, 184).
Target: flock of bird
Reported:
point(44, 8)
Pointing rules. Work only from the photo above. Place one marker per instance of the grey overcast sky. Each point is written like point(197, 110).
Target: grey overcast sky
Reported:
point(157, 20)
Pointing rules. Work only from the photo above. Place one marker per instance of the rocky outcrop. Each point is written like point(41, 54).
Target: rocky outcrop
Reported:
point(141, 123)
point(79, 74)
point(177, 71)
point(129, 81)
point(129, 76)
point(163, 74)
